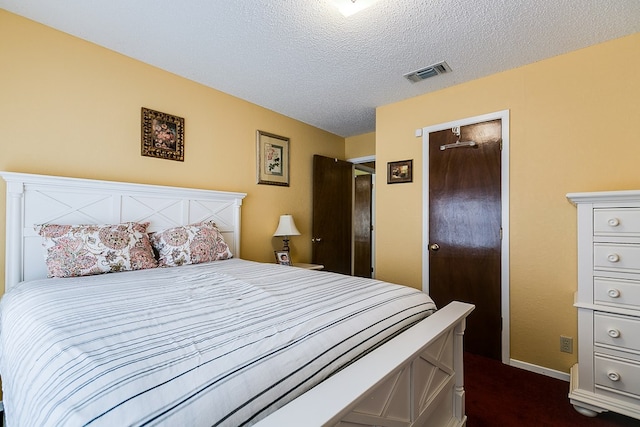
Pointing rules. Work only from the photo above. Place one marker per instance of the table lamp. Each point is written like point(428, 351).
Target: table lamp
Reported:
point(286, 228)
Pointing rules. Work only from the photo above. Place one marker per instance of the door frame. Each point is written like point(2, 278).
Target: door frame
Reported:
point(356, 161)
point(504, 173)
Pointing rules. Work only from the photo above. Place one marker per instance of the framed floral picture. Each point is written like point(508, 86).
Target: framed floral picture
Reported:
point(273, 159)
point(162, 135)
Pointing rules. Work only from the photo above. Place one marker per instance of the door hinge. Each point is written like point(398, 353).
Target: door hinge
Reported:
point(500, 233)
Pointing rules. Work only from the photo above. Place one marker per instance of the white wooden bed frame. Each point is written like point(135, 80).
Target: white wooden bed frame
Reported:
point(413, 380)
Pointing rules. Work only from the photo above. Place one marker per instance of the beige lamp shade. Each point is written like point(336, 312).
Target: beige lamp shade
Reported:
point(286, 227)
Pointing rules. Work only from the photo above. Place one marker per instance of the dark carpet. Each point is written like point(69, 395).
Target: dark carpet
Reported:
point(498, 395)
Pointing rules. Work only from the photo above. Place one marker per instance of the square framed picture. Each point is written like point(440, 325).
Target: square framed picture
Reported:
point(283, 257)
point(162, 135)
point(401, 171)
point(273, 159)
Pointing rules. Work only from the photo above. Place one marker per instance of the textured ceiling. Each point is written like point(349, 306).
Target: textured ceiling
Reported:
point(305, 60)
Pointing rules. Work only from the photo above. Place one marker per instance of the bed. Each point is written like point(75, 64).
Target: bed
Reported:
point(227, 342)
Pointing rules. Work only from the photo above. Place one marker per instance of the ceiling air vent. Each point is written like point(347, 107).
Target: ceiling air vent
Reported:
point(430, 71)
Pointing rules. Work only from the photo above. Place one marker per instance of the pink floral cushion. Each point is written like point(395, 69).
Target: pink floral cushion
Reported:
point(190, 244)
point(81, 250)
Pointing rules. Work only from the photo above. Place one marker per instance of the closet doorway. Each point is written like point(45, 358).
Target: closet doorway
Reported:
point(465, 223)
point(363, 217)
point(343, 215)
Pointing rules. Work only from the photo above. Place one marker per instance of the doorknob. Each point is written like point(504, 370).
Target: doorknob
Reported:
point(316, 240)
point(434, 247)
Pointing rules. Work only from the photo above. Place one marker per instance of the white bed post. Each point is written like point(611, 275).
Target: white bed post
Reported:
point(458, 363)
point(237, 227)
point(14, 226)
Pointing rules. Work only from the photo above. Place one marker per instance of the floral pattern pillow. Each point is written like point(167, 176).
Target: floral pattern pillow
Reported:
point(82, 250)
point(190, 244)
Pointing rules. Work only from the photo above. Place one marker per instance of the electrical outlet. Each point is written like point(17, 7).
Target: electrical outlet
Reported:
point(566, 344)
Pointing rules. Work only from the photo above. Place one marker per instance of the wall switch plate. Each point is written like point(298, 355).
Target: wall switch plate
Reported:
point(566, 344)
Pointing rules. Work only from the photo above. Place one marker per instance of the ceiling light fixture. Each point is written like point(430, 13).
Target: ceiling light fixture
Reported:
point(349, 7)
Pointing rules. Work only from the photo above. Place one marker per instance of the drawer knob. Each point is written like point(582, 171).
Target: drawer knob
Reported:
point(613, 222)
point(613, 257)
point(614, 333)
point(614, 376)
point(613, 293)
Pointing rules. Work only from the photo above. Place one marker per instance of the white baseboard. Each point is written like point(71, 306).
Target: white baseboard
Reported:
point(539, 370)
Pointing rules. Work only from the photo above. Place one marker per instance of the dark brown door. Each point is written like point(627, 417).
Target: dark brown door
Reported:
point(332, 200)
point(465, 229)
point(362, 226)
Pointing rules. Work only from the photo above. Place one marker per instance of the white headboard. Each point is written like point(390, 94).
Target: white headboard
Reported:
point(39, 199)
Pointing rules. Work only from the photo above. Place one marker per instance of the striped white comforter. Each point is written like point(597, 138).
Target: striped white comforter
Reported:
point(224, 343)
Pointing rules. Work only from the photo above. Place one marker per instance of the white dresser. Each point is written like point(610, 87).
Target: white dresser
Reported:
point(607, 375)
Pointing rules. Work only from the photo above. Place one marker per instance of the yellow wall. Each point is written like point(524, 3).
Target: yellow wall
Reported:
point(69, 107)
point(360, 146)
point(573, 125)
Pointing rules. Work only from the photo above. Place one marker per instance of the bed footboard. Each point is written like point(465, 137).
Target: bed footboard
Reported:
point(416, 379)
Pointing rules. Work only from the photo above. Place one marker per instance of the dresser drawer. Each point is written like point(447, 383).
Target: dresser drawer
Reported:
point(616, 222)
point(616, 257)
point(617, 374)
point(617, 293)
point(615, 330)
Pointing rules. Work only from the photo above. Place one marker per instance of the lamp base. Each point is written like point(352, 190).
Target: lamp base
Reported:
point(285, 246)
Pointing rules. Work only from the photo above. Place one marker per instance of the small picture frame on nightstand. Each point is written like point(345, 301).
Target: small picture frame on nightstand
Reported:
point(282, 257)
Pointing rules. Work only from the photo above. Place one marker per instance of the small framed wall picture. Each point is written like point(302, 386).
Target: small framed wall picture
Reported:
point(162, 135)
point(401, 171)
point(283, 257)
point(273, 159)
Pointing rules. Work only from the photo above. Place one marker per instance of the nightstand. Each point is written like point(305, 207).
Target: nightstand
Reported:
point(308, 266)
